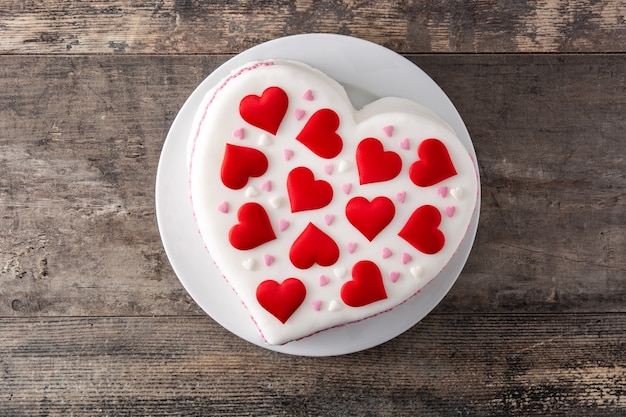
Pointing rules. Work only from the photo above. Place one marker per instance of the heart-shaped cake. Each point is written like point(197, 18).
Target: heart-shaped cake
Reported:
point(317, 214)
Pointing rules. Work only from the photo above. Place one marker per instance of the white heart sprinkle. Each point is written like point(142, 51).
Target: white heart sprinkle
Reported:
point(417, 271)
point(343, 166)
point(276, 201)
point(264, 140)
point(340, 272)
point(456, 193)
point(251, 192)
point(249, 264)
point(334, 306)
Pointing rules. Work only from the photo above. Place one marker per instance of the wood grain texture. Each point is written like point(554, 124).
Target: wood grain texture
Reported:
point(448, 365)
point(82, 136)
point(218, 27)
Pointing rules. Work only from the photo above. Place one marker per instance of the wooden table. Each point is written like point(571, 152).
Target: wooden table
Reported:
point(93, 321)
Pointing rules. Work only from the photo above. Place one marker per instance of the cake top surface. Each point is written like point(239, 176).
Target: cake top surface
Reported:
point(316, 213)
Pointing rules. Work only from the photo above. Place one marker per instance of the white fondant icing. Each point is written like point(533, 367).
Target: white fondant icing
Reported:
point(218, 117)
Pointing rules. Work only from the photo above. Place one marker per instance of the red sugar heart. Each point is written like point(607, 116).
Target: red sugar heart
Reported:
point(240, 163)
point(366, 286)
point(374, 163)
point(370, 218)
point(313, 247)
point(254, 227)
point(266, 111)
point(434, 164)
point(319, 134)
point(421, 230)
point(281, 300)
point(305, 192)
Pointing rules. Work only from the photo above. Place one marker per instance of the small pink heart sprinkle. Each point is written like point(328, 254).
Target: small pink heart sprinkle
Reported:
point(308, 95)
point(406, 258)
point(267, 186)
point(316, 304)
point(223, 207)
point(298, 113)
point(287, 154)
point(283, 225)
point(388, 131)
point(351, 246)
point(393, 276)
point(328, 168)
point(386, 253)
point(268, 260)
point(404, 144)
point(450, 211)
point(329, 219)
point(239, 133)
point(323, 280)
point(442, 191)
point(346, 188)
point(401, 196)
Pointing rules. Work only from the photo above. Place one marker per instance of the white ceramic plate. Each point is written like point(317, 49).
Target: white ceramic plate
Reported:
point(367, 71)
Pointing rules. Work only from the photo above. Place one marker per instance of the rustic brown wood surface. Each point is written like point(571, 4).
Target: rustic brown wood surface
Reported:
point(93, 321)
point(218, 27)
